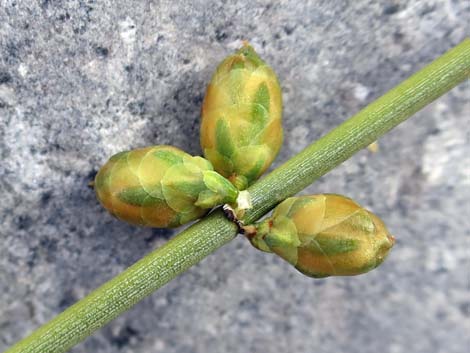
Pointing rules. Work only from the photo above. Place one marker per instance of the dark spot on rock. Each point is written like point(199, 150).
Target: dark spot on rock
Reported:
point(288, 30)
point(179, 93)
point(90, 178)
point(5, 77)
point(101, 51)
point(197, 100)
point(48, 248)
point(220, 35)
point(129, 68)
point(32, 258)
point(48, 244)
point(88, 10)
point(427, 9)
point(124, 336)
point(440, 270)
point(277, 36)
point(158, 233)
point(57, 146)
point(391, 9)
point(64, 16)
point(45, 198)
point(91, 174)
point(5, 153)
point(465, 308)
point(398, 37)
point(249, 305)
point(313, 52)
point(136, 108)
point(67, 300)
point(12, 50)
point(80, 29)
point(441, 315)
point(24, 222)
point(93, 344)
point(186, 61)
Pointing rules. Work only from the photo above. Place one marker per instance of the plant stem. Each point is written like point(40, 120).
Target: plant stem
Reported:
point(361, 130)
point(195, 243)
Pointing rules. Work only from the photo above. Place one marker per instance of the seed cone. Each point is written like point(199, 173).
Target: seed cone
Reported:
point(160, 186)
point(241, 131)
point(324, 235)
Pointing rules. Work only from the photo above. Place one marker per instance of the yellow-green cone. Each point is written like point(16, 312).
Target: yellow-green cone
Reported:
point(241, 131)
point(160, 186)
point(324, 235)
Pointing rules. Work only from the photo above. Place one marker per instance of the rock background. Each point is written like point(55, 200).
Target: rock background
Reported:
point(82, 80)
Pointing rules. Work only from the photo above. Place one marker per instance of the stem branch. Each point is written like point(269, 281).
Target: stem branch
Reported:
point(195, 243)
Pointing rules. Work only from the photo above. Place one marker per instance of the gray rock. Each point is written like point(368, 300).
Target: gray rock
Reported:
point(82, 80)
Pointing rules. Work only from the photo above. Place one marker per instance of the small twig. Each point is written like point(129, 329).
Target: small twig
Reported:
point(195, 243)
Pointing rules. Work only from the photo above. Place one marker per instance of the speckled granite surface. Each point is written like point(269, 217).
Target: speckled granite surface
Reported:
point(81, 80)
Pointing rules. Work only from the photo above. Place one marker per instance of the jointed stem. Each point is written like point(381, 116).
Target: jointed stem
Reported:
point(206, 236)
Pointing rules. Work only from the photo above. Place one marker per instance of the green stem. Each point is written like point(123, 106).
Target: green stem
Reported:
point(361, 130)
point(192, 245)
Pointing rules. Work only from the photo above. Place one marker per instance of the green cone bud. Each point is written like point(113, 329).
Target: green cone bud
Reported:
point(160, 186)
point(324, 235)
point(241, 131)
